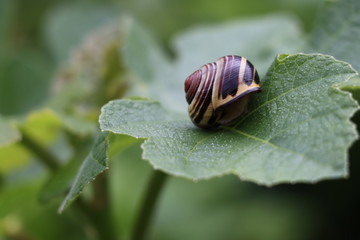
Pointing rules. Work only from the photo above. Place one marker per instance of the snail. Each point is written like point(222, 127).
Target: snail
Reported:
point(218, 93)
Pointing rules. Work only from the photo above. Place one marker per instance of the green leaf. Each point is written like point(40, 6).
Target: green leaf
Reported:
point(243, 37)
point(337, 31)
point(60, 181)
point(86, 83)
point(7, 15)
point(94, 164)
point(13, 157)
point(296, 130)
point(9, 133)
point(43, 125)
point(68, 24)
point(200, 45)
point(353, 86)
point(24, 82)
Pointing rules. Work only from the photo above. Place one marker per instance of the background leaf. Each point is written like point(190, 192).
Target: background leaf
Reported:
point(182, 14)
point(24, 82)
point(200, 45)
point(92, 76)
point(61, 180)
point(9, 133)
point(353, 86)
point(67, 25)
point(13, 157)
point(286, 136)
point(337, 31)
point(94, 164)
point(7, 10)
point(43, 125)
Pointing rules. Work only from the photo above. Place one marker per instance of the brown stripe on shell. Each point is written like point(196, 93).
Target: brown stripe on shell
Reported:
point(198, 90)
point(230, 81)
point(248, 75)
point(221, 75)
point(191, 85)
point(207, 101)
point(212, 120)
point(200, 101)
point(256, 78)
point(241, 86)
point(202, 90)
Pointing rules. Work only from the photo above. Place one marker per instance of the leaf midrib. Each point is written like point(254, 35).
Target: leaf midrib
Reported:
point(263, 141)
point(260, 140)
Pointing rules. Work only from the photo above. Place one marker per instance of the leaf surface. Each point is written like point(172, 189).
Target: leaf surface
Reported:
point(353, 86)
point(296, 130)
point(94, 164)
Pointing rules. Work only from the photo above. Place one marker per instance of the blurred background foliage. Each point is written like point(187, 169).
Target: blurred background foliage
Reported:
point(46, 44)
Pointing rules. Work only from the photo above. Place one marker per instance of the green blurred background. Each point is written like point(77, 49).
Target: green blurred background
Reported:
point(31, 37)
point(37, 38)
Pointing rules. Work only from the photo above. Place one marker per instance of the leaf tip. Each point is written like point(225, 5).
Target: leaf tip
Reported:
point(62, 207)
point(282, 57)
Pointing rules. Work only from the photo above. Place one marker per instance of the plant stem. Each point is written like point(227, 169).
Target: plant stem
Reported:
point(148, 205)
point(101, 207)
point(98, 220)
point(46, 157)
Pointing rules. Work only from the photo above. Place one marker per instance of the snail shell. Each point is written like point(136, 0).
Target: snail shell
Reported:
point(218, 93)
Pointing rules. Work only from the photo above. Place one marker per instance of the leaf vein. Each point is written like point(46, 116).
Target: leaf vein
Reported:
point(277, 97)
point(299, 123)
point(263, 141)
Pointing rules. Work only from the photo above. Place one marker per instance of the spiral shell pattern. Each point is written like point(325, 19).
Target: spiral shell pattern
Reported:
point(218, 92)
